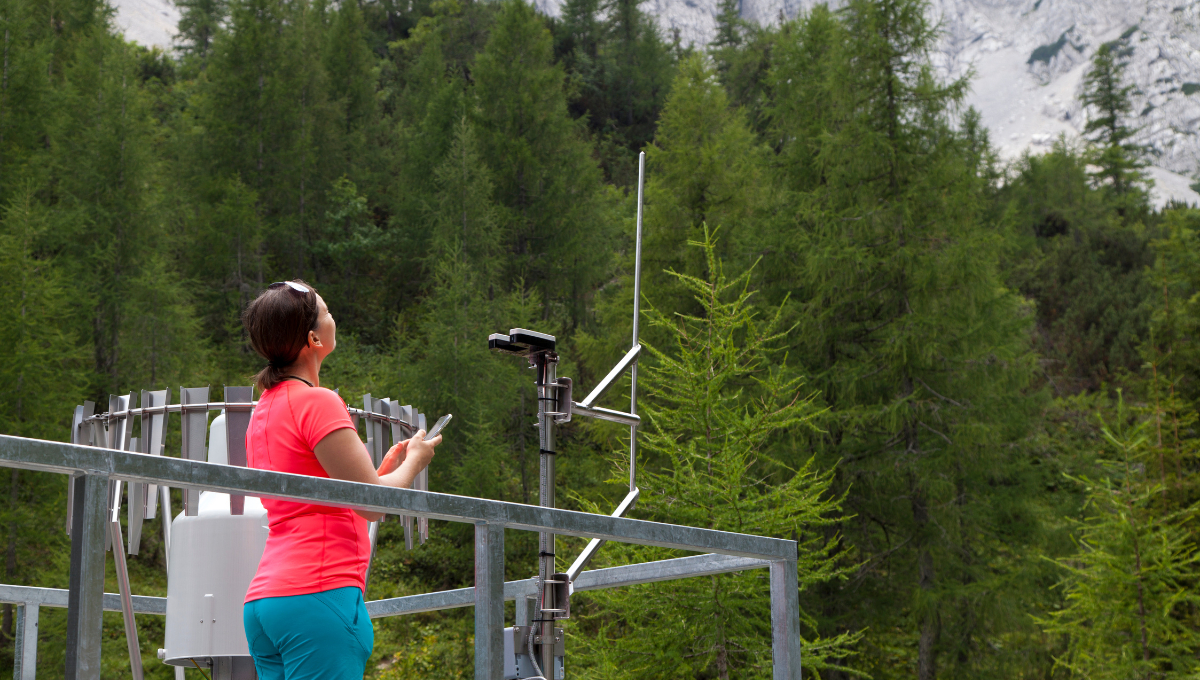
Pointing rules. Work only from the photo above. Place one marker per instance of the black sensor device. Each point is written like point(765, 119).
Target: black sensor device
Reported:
point(521, 342)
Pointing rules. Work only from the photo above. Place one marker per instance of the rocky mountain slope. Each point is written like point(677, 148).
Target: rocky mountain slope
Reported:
point(1028, 58)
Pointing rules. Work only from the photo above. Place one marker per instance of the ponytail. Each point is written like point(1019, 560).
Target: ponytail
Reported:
point(278, 322)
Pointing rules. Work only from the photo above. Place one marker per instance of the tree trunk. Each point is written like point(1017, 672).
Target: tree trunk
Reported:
point(930, 623)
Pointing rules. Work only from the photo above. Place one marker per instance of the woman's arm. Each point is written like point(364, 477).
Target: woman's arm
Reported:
point(343, 456)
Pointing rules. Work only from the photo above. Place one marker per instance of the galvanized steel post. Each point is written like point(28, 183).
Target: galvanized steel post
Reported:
point(785, 620)
point(546, 365)
point(85, 604)
point(489, 601)
point(25, 666)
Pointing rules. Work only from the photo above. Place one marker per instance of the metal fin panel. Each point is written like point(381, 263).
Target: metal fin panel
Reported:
point(154, 440)
point(137, 510)
point(237, 422)
point(81, 434)
point(195, 427)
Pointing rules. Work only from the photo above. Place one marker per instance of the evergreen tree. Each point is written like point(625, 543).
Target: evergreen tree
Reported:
point(906, 330)
point(43, 370)
point(639, 74)
point(199, 23)
point(1171, 355)
point(705, 167)
point(1106, 97)
point(106, 179)
point(1175, 281)
point(226, 263)
point(352, 75)
point(1082, 267)
point(429, 97)
point(25, 94)
point(545, 179)
point(803, 99)
point(729, 26)
point(578, 40)
point(744, 53)
point(620, 70)
point(1130, 601)
point(267, 119)
point(44, 367)
point(718, 398)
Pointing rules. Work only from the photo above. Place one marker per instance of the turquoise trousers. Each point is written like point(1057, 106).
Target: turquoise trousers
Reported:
point(320, 636)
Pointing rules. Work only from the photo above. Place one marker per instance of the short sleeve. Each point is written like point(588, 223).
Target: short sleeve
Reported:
point(318, 412)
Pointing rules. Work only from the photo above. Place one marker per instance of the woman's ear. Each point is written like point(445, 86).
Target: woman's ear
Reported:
point(313, 339)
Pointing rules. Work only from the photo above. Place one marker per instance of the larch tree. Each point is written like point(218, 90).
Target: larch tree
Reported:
point(906, 329)
point(1130, 601)
point(718, 396)
point(554, 213)
point(1106, 97)
point(199, 23)
point(705, 168)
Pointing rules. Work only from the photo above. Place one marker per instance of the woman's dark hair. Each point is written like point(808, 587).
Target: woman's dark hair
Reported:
point(278, 322)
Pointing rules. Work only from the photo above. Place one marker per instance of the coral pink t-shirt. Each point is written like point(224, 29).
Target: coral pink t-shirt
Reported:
point(310, 548)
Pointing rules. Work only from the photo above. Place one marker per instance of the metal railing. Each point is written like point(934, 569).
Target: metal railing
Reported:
point(86, 600)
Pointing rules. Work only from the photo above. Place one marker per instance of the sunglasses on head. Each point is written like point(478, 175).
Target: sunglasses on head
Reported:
point(303, 290)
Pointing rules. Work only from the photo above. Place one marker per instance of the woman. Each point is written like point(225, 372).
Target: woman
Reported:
point(304, 613)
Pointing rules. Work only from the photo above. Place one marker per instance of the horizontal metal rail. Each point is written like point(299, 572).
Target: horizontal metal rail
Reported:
point(217, 406)
point(597, 579)
point(95, 468)
point(57, 597)
point(33, 454)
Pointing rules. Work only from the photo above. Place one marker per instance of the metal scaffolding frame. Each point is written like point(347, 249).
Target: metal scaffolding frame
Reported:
point(92, 468)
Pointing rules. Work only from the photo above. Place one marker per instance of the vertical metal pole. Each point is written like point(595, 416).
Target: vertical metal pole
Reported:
point(167, 518)
point(25, 667)
point(546, 364)
point(785, 621)
point(85, 601)
point(373, 532)
point(637, 305)
point(489, 601)
point(131, 634)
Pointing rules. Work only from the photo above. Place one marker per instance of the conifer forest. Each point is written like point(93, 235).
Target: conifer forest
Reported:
point(966, 386)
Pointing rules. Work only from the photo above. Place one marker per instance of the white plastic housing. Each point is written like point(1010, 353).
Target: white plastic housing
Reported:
point(214, 556)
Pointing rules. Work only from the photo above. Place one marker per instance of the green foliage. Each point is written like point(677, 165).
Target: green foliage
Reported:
point(443, 169)
point(708, 169)
point(199, 23)
point(1082, 265)
point(905, 328)
point(1130, 606)
point(545, 178)
point(719, 398)
point(620, 70)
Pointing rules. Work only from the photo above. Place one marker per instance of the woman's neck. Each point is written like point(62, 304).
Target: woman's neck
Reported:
point(307, 368)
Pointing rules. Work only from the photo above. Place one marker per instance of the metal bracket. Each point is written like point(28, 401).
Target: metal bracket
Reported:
point(564, 416)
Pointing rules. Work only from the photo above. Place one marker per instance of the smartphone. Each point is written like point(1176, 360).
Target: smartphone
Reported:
point(437, 427)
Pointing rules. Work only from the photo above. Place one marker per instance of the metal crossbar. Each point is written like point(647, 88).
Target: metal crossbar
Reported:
point(93, 467)
point(34, 454)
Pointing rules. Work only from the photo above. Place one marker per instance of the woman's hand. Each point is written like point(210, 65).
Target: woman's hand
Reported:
point(393, 459)
point(417, 454)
